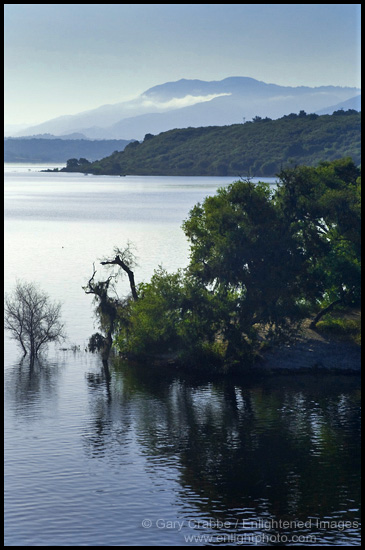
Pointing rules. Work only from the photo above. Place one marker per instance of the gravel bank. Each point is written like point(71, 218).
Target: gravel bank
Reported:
point(313, 351)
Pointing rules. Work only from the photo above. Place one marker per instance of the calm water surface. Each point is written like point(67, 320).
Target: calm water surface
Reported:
point(143, 457)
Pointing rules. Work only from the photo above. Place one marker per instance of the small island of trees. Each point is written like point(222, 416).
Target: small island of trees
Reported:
point(261, 261)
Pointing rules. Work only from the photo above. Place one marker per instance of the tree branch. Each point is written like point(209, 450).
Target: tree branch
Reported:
point(118, 261)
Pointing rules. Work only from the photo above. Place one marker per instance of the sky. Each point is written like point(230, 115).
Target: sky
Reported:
point(62, 59)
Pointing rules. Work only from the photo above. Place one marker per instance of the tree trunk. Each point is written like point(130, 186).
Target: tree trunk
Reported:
point(23, 346)
point(33, 351)
point(323, 312)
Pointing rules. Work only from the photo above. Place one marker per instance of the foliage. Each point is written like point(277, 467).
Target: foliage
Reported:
point(96, 342)
point(174, 313)
point(324, 210)
point(344, 329)
point(241, 248)
point(151, 322)
point(262, 147)
point(32, 319)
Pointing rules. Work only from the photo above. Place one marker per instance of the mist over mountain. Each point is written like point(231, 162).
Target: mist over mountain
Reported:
point(196, 103)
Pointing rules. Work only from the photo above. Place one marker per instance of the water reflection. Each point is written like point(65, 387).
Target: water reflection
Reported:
point(31, 385)
point(110, 419)
point(282, 448)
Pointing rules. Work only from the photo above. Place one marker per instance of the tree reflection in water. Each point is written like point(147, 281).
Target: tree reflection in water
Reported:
point(31, 382)
point(284, 447)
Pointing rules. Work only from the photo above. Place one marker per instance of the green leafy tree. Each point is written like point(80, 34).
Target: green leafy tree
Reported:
point(151, 322)
point(241, 248)
point(323, 207)
point(72, 164)
point(174, 313)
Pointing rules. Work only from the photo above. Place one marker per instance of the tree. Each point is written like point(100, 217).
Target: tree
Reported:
point(83, 160)
point(32, 319)
point(241, 248)
point(72, 163)
point(106, 309)
point(271, 255)
point(109, 308)
point(153, 321)
point(174, 314)
point(323, 208)
point(124, 258)
point(244, 275)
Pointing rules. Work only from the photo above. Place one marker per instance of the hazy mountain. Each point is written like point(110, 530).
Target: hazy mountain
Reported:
point(74, 135)
point(58, 150)
point(352, 103)
point(194, 103)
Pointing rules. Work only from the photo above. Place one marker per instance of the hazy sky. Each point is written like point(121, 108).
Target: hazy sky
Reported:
point(67, 58)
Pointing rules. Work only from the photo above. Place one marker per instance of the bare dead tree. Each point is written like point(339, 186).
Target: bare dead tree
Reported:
point(32, 319)
point(126, 259)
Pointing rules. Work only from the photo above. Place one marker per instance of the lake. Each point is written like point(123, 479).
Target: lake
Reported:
point(147, 457)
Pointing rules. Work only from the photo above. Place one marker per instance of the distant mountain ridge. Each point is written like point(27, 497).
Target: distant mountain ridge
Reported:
point(195, 103)
point(352, 103)
point(53, 149)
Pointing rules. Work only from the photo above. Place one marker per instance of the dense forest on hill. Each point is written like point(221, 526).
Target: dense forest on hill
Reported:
point(261, 147)
point(58, 150)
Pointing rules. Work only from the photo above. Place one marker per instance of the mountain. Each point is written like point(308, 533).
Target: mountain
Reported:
point(58, 150)
point(194, 103)
point(74, 135)
point(258, 148)
point(352, 103)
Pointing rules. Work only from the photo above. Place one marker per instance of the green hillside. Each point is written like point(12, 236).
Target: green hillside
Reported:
point(257, 148)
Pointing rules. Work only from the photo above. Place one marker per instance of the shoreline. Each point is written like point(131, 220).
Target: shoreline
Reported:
point(312, 351)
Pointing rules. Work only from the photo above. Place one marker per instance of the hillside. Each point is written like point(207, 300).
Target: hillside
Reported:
point(58, 150)
point(258, 148)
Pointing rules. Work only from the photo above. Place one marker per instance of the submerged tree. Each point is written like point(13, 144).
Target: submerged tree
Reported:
point(109, 308)
point(107, 313)
point(32, 319)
